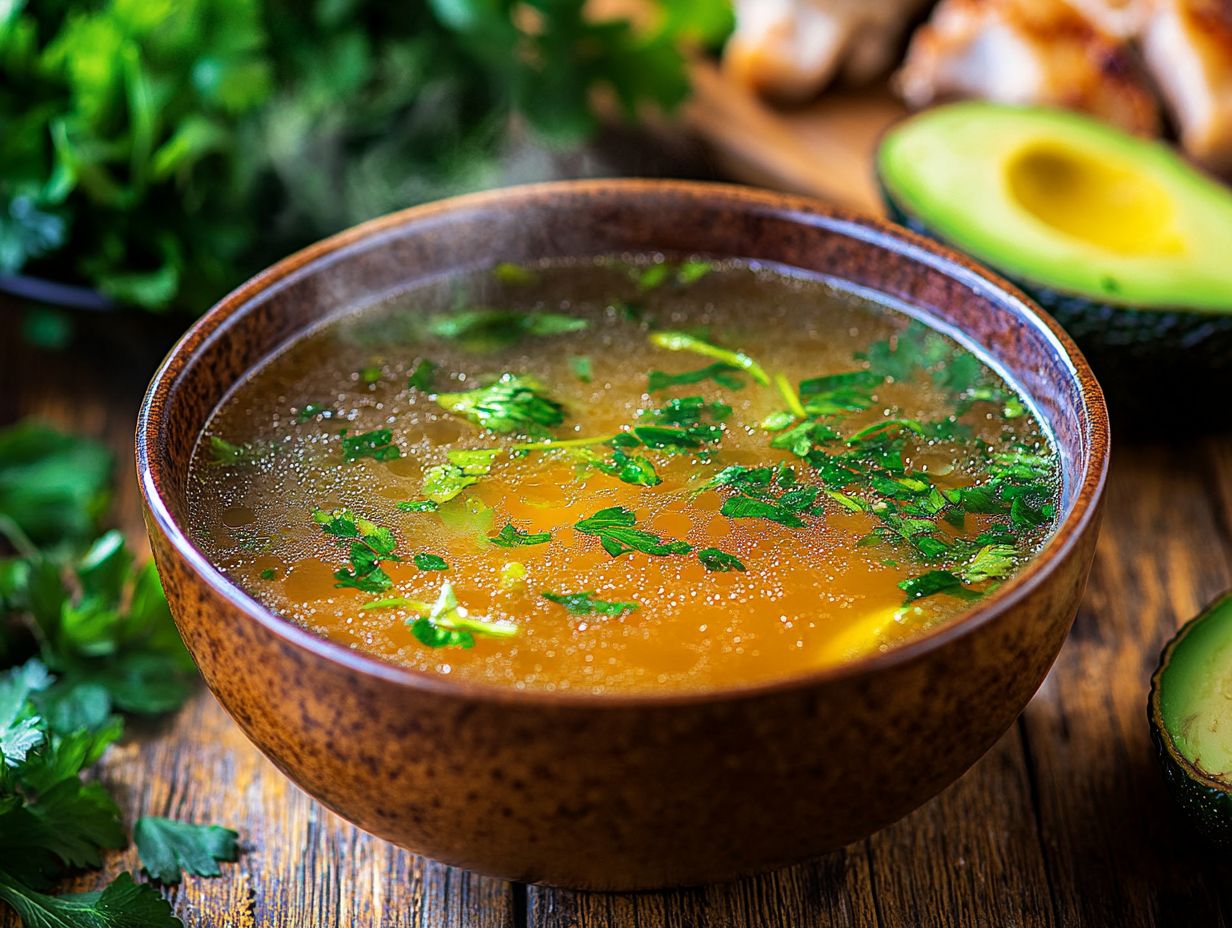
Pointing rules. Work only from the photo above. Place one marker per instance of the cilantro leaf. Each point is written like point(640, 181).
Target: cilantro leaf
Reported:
point(511, 537)
point(426, 561)
point(744, 507)
point(934, 582)
point(168, 847)
point(720, 373)
point(720, 561)
point(123, 904)
point(614, 529)
point(991, 562)
point(377, 444)
point(418, 505)
point(53, 486)
point(423, 376)
point(510, 404)
point(582, 368)
point(632, 469)
point(443, 482)
point(490, 329)
point(584, 603)
point(368, 546)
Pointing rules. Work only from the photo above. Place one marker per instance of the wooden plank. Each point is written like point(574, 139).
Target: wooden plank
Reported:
point(1117, 854)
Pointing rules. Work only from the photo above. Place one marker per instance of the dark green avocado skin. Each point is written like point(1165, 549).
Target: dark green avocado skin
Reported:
point(1207, 808)
point(1147, 360)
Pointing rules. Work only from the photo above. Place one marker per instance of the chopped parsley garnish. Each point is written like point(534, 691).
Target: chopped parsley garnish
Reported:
point(312, 411)
point(490, 329)
point(228, 454)
point(719, 561)
point(426, 561)
point(722, 374)
point(679, 425)
point(633, 469)
point(370, 374)
point(369, 545)
point(745, 507)
point(683, 274)
point(513, 537)
point(423, 376)
point(377, 444)
point(449, 625)
point(584, 603)
point(445, 481)
point(515, 274)
point(511, 404)
point(269, 573)
point(418, 505)
point(934, 582)
point(582, 368)
point(614, 529)
point(683, 341)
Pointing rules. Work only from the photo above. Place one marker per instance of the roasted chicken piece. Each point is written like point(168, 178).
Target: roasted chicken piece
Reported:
point(791, 49)
point(1026, 51)
point(1188, 48)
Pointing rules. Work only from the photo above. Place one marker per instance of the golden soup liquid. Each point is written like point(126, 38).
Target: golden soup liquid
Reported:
point(628, 474)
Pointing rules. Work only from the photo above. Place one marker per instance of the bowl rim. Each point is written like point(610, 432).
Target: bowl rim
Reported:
point(868, 229)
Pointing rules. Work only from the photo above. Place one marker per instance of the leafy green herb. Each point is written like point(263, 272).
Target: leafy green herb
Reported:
point(445, 481)
point(512, 537)
point(514, 274)
point(377, 444)
point(426, 561)
point(510, 404)
point(584, 603)
point(632, 469)
point(123, 904)
point(168, 847)
point(311, 411)
point(722, 374)
point(491, 329)
point(990, 562)
point(53, 487)
point(423, 376)
point(683, 274)
point(614, 529)
point(934, 582)
point(582, 369)
point(226, 454)
point(715, 560)
point(369, 545)
point(418, 505)
point(682, 341)
point(449, 625)
point(370, 374)
point(744, 507)
point(269, 573)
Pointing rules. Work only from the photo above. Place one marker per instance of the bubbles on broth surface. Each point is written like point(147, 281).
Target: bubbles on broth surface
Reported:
point(918, 475)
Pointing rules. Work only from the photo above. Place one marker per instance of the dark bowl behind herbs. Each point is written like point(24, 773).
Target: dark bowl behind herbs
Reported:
point(624, 791)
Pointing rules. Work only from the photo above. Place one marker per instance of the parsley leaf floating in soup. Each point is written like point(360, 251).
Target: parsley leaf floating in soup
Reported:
point(637, 474)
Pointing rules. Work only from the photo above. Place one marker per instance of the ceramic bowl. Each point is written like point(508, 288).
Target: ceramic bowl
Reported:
point(623, 791)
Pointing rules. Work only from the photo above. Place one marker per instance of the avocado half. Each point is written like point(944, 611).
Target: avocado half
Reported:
point(1190, 712)
point(1125, 243)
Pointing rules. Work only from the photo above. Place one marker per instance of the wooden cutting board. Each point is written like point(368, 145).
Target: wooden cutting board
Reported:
point(822, 149)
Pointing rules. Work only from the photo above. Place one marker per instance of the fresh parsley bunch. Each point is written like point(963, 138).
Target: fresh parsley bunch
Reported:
point(84, 634)
point(161, 150)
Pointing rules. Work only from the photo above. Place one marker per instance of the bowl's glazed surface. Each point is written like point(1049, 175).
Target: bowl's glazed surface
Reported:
point(623, 791)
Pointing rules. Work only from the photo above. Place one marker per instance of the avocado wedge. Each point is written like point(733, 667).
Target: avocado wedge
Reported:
point(1190, 712)
point(1125, 243)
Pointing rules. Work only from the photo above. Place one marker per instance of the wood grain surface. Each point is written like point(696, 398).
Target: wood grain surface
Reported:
point(1064, 822)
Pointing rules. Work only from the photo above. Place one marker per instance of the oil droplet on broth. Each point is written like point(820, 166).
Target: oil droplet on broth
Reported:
point(809, 596)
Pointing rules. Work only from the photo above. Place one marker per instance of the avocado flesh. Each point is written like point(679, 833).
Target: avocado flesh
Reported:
point(1065, 203)
point(1191, 719)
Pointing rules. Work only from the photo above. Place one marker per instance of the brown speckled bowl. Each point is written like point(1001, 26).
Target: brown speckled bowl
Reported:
point(633, 791)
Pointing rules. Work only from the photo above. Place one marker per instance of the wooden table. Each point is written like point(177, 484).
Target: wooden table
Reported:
point(1064, 822)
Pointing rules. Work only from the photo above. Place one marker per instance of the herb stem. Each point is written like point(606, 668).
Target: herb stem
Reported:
point(790, 396)
point(562, 443)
